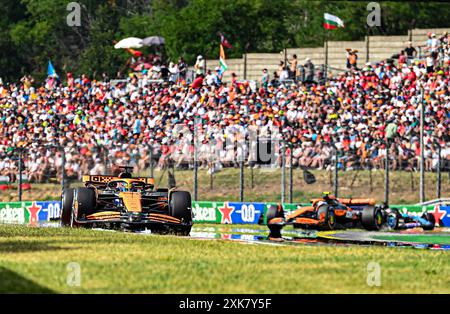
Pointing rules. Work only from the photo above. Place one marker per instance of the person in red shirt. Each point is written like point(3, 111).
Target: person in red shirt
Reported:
point(198, 82)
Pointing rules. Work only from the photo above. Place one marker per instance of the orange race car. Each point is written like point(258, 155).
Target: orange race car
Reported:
point(126, 202)
point(328, 213)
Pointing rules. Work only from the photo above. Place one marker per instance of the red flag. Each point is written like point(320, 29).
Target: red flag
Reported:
point(224, 42)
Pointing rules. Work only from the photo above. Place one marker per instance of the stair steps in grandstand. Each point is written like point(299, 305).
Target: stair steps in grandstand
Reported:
point(423, 32)
point(342, 45)
point(380, 48)
point(390, 39)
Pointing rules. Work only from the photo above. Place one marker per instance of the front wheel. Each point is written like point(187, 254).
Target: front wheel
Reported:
point(67, 203)
point(326, 217)
point(274, 211)
point(431, 219)
point(84, 204)
point(181, 208)
point(393, 218)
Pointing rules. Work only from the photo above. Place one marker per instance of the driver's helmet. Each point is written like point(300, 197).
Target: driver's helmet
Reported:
point(123, 186)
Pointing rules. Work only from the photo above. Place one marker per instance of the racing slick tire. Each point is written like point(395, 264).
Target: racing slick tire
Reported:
point(330, 219)
point(372, 218)
point(85, 202)
point(431, 219)
point(180, 204)
point(274, 211)
point(393, 218)
point(67, 203)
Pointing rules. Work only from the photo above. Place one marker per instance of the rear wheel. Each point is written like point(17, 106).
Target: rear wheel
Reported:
point(181, 208)
point(85, 203)
point(372, 218)
point(430, 217)
point(327, 217)
point(67, 203)
point(274, 211)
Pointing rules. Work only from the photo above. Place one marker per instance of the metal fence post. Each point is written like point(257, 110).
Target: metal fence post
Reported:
point(245, 66)
point(151, 160)
point(105, 159)
point(386, 177)
point(291, 173)
point(422, 149)
point(195, 160)
point(439, 172)
point(63, 168)
point(283, 171)
point(241, 180)
point(20, 174)
point(336, 173)
point(367, 49)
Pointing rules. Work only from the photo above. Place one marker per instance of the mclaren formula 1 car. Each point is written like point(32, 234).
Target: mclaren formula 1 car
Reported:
point(124, 202)
point(328, 213)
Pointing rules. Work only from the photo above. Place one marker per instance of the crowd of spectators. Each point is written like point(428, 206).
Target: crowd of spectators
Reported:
point(140, 121)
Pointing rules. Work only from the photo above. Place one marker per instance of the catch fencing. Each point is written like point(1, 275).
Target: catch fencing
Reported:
point(240, 168)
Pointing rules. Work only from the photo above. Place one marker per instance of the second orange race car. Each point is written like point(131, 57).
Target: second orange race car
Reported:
point(328, 213)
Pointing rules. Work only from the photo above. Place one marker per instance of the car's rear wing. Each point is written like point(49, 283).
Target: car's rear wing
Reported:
point(351, 202)
point(104, 179)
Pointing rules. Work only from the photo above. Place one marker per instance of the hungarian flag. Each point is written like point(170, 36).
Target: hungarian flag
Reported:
point(223, 64)
point(332, 21)
point(224, 42)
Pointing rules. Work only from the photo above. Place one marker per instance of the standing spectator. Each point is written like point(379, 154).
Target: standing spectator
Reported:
point(430, 63)
point(182, 68)
point(209, 78)
point(293, 67)
point(309, 71)
point(198, 82)
point(284, 74)
point(265, 78)
point(432, 45)
point(173, 70)
point(200, 66)
point(352, 59)
point(217, 76)
point(280, 68)
point(410, 51)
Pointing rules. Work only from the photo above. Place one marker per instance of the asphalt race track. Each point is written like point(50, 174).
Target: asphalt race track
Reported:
point(417, 238)
point(438, 239)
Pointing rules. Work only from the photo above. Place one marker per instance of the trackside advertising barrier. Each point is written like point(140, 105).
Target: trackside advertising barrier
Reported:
point(250, 213)
point(44, 212)
point(30, 212)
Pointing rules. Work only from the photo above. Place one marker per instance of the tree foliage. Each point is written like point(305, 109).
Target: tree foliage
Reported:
point(35, 31)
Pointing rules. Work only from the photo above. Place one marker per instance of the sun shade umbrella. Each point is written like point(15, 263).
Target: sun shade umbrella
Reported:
point(153, 41)
point(130, 42)
point(142, 66)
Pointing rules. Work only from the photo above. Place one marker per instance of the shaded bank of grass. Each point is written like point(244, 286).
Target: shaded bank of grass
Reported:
point(265, 185)
point(129, 263)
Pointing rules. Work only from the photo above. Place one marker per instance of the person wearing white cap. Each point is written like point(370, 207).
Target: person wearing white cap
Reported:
point(200, 66)
point(432, 44)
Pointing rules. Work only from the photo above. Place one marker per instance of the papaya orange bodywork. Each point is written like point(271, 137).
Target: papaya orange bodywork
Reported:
point(300, 211)
point(275, 220)
point(132, 201)
point(306, 221)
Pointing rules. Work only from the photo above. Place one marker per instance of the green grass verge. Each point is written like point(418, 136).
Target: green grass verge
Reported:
point(36, 260)
point(423, 238)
